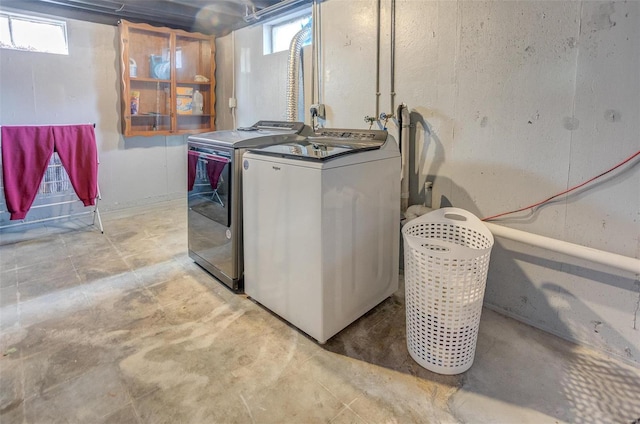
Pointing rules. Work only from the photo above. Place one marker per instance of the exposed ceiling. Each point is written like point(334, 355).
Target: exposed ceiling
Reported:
point(217, 17)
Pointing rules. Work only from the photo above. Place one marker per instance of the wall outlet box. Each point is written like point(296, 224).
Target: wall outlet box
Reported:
point(317, 110)
point(233, 103)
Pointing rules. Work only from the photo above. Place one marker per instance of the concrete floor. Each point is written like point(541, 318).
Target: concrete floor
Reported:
point(124, 328)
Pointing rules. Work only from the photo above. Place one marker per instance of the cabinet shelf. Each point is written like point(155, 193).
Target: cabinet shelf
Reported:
point(149, 52)
point(148, 115)
point(192, 83)
point(151, 80)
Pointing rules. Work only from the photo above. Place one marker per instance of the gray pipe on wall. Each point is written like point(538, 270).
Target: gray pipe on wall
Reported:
point(404, 133)
point(293, 66)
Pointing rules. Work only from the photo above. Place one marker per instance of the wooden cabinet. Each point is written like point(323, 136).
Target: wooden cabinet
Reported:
point(162, 72)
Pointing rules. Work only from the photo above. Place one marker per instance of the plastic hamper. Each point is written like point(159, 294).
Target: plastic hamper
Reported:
point(446, 258)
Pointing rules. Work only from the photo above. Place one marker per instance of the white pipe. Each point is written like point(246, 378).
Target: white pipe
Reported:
point(233, 78)
point(598, 256)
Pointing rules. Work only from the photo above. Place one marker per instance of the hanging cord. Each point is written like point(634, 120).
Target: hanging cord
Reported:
point(535, 205)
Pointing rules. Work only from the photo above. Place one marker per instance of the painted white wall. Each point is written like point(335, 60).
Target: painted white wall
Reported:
point(84, 87)
point(514, 102)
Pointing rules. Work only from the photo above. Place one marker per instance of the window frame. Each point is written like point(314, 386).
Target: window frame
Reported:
point(268, 28)
point(11, 16)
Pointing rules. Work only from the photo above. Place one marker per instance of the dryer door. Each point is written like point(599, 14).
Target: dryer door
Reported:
point(208, 180)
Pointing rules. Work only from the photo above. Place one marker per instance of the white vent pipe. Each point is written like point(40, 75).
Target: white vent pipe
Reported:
point(614, 260)
point(293, 66)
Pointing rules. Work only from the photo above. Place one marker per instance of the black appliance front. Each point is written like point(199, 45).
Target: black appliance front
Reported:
point(211, 206)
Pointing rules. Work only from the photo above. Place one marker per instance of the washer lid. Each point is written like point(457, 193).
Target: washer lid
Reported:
point(327, 144)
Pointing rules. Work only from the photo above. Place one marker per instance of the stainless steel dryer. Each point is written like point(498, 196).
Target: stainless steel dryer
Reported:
point(215, 194)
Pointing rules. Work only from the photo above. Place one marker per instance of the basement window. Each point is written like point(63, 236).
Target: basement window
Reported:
point(30, 33)
point(278, 34)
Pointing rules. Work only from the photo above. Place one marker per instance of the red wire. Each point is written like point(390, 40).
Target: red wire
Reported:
point(564, 192)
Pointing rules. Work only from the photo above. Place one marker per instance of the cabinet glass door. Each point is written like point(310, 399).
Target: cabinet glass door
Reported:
point(149, 92)
point(195, 84)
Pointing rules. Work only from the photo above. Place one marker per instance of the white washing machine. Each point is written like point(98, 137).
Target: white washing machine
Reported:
point(321, 225)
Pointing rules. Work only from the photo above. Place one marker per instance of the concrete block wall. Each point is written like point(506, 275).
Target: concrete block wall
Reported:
point(513, 102)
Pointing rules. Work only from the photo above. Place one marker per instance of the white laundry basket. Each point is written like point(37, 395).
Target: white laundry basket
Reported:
point(446, 258)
